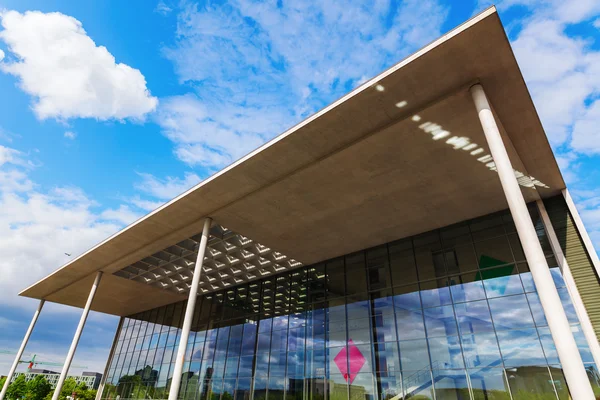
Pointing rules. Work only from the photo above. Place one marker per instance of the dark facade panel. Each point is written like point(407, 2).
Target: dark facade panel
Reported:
point(579, 261)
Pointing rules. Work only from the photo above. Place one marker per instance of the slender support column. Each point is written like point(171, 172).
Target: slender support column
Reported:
point(109, 360)
point(569, 356)
point(582, 315)
point(587, 242)
point(15, 364)
point(189, 313)
point(84, 315)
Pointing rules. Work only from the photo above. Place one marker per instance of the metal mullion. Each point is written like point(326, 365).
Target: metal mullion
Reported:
point(253, 374)
point(489, 309)
point(374, 345)
point(289, 304)
point(346, 295)
point(397, 341)
point(423, 319)
point(133, 342)
point(121, 349)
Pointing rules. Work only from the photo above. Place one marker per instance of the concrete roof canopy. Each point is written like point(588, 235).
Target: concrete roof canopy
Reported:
point(400, 155)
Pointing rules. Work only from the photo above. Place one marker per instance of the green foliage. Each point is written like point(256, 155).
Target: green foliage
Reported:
point(2, 382)
point(17, 389)
point(38, 388)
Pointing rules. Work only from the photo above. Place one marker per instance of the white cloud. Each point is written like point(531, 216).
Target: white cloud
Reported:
point(561, 73)
point(162, 8)
point(167, 188)
point(144, 204)
point(597, 23)
point(38, 226)
point(68, 75)
point(122, 215)
point(586, 131)
point(259, 67)
point(70, 135)
point(1, 55)
point(215, 137)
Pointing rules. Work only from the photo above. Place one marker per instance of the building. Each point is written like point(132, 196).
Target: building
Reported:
point(414, 239)
point(90, 379)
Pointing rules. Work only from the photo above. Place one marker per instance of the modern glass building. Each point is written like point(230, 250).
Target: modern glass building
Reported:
point(413, 240)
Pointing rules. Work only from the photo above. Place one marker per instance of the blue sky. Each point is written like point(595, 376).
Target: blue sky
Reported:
point(108, 109)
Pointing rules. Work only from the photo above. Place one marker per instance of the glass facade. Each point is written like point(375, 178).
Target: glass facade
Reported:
point(449, 314)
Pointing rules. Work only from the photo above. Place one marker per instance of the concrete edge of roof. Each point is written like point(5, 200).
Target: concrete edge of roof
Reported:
point(407, 60)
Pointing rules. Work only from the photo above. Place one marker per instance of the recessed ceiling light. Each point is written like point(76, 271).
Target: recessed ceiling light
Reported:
point(401, 104)
point(416, 118)
point(379, 88)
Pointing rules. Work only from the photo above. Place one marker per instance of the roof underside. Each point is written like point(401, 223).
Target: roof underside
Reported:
point(400, 155)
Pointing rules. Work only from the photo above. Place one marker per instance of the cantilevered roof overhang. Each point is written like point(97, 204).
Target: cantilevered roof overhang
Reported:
point(402, 154)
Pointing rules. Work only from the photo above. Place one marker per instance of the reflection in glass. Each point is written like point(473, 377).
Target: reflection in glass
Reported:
point(440, 315)
point(489, 383)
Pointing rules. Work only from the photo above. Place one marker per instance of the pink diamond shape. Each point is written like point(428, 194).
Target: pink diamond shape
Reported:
point(353, 357)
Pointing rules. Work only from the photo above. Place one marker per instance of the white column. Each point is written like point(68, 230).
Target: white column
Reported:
point(110, 358)
point(582, 232)
point(569, 356)
point(189, 313)
point(84, 315)
point(582, 315)
point(15, 364)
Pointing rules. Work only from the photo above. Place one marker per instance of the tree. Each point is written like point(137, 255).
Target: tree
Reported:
point(38, 388)
point(2, 381)
point(17, 389)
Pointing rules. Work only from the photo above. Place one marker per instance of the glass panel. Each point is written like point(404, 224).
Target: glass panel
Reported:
point(466, 287)
point(418, 385)
point(521, 348)
point(489, 383)
point(473, 317)
point(410, 324)
point(402, 263)
point(451, 385)
point(481, 350)
point(435, 293)
point(363, 327)
point(445, 352)
point(414, 355)
point(501, 281)
point(528, 382)
point(511, 312)
point(440, 321)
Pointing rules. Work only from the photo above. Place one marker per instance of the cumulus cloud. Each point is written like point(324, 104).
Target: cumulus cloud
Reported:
point(168, 188)
point(67, 74)
point(259, 67)
point(38, 226)
point(561, 72)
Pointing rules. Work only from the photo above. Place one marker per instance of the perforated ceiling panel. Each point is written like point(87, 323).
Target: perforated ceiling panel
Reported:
point(230, 259)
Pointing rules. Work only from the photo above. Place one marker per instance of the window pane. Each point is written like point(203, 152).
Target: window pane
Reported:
point(473, 317)
point(440, 321)
point(466, 287)
point(450, 385)
point(511, 312)
point(435, 293)
point(527, 382)
point(410, 324)
point(521, 348)
point(414, 355)
point(407, 297)
point(445, 352)
point(481, 350)
point(502, 281)
point(489, 383)
point(418, 385)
